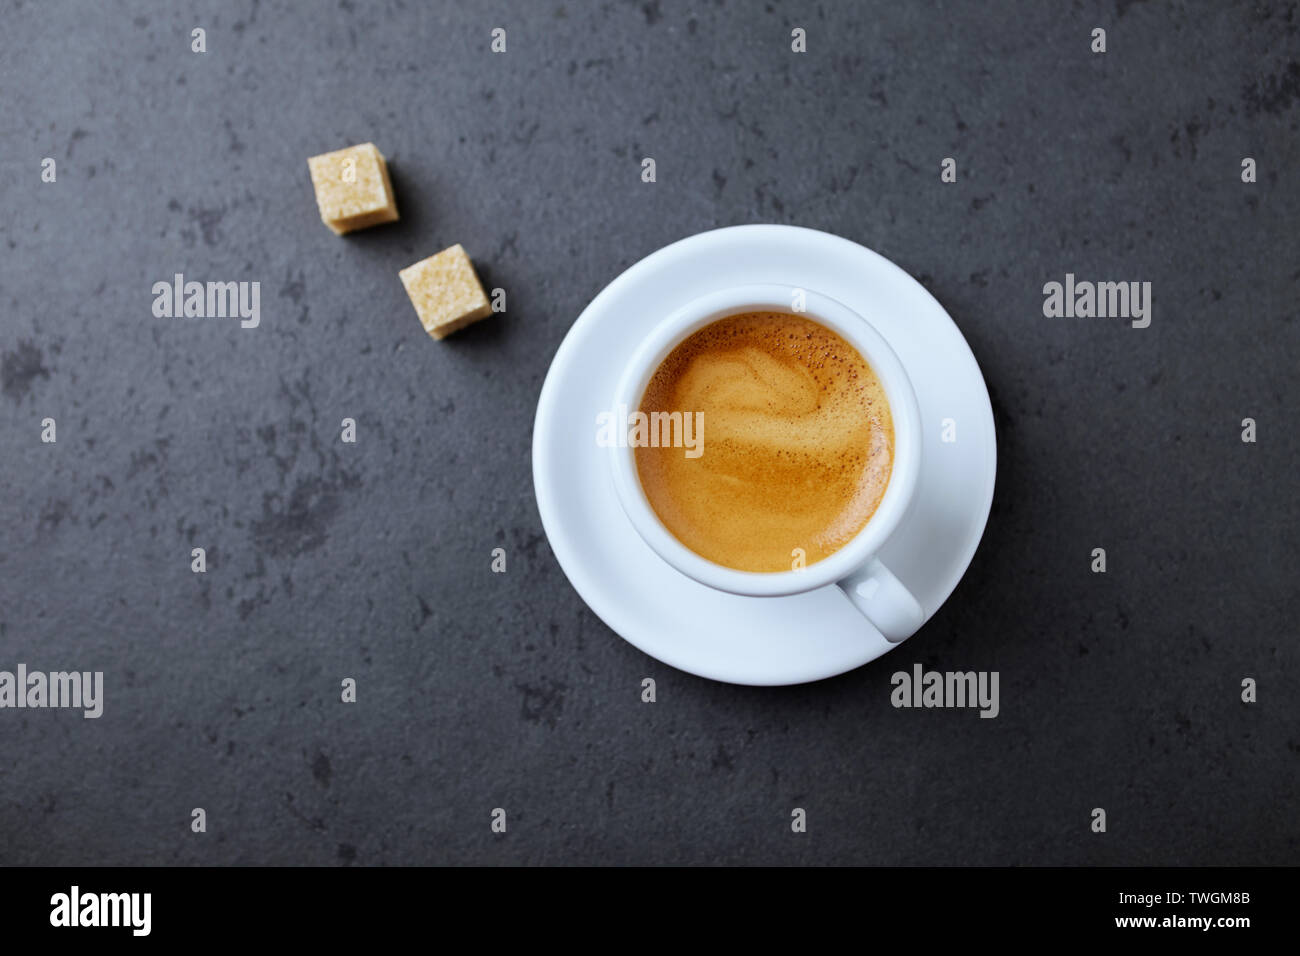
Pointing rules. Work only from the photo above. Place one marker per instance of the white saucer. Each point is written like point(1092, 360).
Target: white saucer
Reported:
point(748, 640)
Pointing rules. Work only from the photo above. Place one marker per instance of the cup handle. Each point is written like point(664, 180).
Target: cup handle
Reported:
point(881, 599)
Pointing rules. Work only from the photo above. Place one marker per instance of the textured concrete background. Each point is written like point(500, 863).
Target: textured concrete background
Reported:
point(372, 561)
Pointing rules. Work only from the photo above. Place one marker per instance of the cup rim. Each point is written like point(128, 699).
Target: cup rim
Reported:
point(859, 333)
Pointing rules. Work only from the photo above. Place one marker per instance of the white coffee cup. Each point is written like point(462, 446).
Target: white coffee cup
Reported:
point(855, 568)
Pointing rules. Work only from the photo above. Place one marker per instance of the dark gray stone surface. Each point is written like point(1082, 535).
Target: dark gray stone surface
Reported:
point(372, 561)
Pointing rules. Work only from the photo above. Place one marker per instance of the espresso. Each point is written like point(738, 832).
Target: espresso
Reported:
point(797, 442)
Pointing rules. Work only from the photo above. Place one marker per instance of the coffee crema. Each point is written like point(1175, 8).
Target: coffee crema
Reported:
point(799, 442)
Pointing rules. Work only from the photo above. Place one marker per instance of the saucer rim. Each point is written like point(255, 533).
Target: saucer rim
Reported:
point(567, 550)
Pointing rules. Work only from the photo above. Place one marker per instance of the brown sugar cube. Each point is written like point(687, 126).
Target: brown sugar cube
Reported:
point(352, 188)
point(446, 292)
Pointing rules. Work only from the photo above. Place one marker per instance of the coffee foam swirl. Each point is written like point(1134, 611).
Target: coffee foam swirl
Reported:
point(798, 441)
